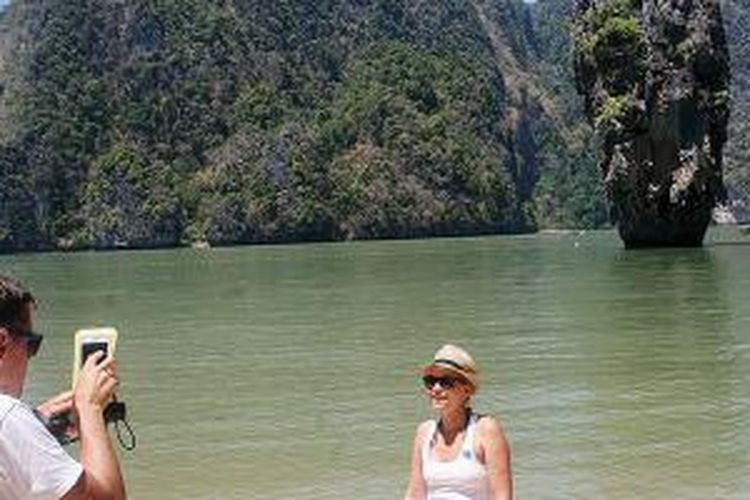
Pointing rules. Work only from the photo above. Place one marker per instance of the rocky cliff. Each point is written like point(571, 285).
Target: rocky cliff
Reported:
point(156, 123)
point(655, 78)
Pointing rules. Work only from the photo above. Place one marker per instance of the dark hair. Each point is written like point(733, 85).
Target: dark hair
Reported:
point(13, 300)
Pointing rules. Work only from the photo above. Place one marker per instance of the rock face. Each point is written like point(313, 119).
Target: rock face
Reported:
point(655, 78)
point(146, 124)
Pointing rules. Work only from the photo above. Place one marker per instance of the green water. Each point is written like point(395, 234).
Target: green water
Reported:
point(289, 371)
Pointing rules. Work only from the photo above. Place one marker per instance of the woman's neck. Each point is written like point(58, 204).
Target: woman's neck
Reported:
point(452, 423)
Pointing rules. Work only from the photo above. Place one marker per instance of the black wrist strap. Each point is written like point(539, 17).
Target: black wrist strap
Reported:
point(116, 413)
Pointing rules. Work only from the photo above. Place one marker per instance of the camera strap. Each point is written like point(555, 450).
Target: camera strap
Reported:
point(116, 413)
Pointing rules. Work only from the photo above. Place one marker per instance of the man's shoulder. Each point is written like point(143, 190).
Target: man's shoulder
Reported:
point(30, 457)
point(7, 404)
point(18, 419)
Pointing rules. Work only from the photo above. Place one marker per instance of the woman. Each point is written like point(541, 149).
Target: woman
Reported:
point(463, 455)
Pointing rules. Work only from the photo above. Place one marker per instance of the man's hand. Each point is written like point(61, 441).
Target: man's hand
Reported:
point(62, 403)
point(60, 406)
point(95, 385)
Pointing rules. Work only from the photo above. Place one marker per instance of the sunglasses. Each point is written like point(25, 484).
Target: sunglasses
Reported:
point(445, 382)
point(33, 341)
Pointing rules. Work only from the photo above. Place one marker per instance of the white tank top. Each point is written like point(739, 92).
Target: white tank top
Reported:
point(462, 478)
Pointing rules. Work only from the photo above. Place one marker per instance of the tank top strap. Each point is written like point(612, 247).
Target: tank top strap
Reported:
point(429, 440)
point(467, 449)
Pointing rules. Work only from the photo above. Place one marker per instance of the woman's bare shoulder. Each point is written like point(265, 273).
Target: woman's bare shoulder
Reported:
point(423, 429)
point(490, 428)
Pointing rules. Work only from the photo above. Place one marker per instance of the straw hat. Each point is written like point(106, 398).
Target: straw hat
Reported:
point(454, 359)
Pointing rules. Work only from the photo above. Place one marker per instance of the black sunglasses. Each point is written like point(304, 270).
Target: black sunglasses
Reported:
point(445, 382)
point(33, 341)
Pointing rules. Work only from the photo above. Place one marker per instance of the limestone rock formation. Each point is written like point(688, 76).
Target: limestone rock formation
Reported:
point(655, 78)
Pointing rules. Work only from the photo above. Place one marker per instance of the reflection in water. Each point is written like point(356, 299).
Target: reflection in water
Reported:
point(661, 381)
point(289, 372)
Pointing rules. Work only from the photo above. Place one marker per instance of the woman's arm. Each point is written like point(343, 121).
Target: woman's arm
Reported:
point(417, 489)
point(497, 458)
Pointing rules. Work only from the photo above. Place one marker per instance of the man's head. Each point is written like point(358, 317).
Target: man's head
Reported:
point(17, 341)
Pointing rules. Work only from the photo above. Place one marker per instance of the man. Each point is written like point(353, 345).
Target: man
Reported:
point(33, 465)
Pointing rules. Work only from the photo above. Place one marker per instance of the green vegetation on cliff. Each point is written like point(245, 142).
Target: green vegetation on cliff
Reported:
point(151, 123)
point(408, 145)
point(159, 123)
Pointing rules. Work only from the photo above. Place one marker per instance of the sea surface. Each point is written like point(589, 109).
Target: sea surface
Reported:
point(269, 372)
